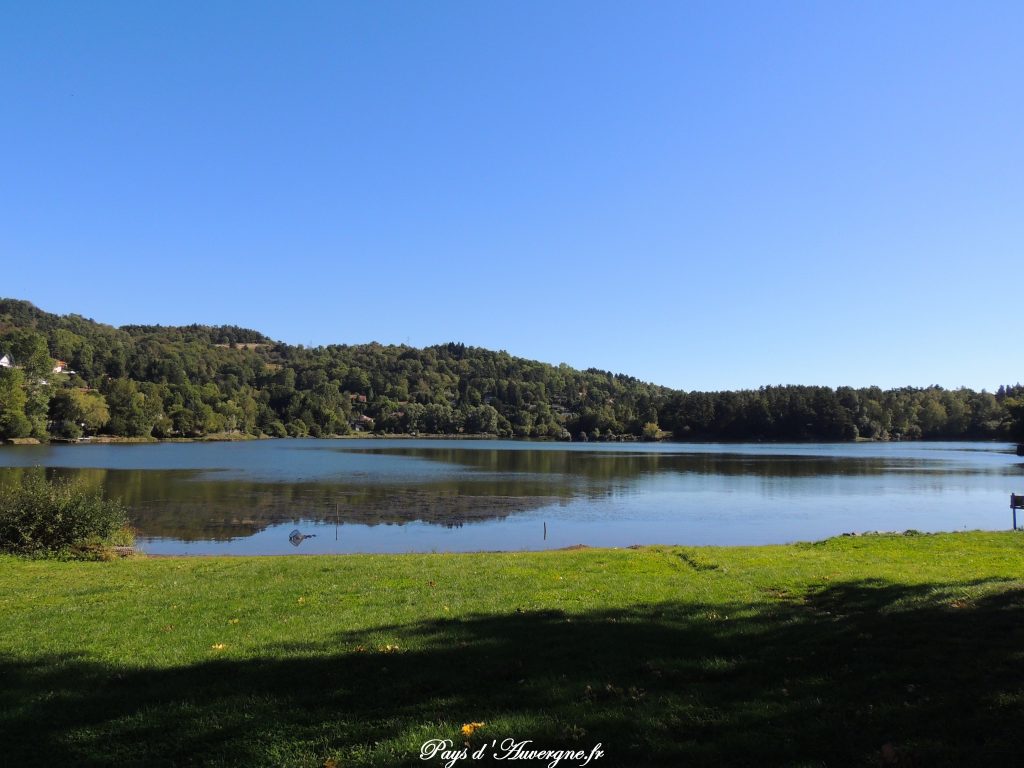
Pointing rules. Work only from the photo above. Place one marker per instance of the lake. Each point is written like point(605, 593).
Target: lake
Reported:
point(460, 495)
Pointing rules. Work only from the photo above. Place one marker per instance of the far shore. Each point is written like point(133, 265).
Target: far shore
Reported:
point(234, 437)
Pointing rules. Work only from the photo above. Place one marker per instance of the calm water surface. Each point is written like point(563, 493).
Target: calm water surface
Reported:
point(422, 496)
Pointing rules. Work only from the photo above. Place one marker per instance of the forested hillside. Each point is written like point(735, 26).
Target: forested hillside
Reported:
point(71, 376)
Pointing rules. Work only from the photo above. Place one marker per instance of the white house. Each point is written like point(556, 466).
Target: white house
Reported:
point(6, 362)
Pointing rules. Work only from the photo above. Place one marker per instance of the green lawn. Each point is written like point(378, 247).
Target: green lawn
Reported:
point(854, 651)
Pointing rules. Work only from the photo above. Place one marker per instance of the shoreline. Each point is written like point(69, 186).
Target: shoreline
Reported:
point(237, 437)
point(141, 554)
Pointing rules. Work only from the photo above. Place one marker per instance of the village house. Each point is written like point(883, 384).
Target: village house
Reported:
point(361, 423)
point(6, 361)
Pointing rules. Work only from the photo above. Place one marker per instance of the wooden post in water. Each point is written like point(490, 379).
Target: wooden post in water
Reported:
point(545, 530)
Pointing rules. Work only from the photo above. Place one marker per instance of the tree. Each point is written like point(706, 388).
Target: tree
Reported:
point(73, 411)
point(482, 419)
point(932, 417)
point(128, 412)
point(37, 405)
point(297, 428)
point(13, 421)
point(30, 352)
point(1015, 408)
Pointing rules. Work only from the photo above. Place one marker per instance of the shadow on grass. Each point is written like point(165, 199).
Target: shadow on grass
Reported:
point(862, 673)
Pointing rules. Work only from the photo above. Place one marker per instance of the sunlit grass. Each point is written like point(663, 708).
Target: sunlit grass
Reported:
point(801, 654)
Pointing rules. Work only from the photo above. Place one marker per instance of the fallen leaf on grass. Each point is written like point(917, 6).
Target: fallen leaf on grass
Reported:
point(469, 729)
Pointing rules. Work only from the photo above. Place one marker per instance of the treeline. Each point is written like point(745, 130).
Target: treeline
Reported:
point(820, 413)
point(72, 376)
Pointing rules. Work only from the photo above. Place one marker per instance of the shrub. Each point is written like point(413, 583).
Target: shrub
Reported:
point(42, 517)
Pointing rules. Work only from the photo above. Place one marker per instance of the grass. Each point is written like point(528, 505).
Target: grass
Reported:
point(854, 651)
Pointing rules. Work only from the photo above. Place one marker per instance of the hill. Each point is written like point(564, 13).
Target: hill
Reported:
point(192, 381)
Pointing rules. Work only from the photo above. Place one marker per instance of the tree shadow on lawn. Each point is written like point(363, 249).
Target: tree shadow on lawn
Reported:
point(860, 673)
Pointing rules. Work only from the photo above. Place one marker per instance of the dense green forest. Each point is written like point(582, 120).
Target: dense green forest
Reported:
point(70, 376)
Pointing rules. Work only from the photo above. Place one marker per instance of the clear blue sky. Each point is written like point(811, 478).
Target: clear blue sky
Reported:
point(707, 195)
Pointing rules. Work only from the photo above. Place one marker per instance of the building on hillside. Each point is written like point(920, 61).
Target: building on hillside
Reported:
point(361, 423)
point(6, 361)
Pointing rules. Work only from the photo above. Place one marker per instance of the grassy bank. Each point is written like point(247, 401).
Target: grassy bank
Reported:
point(855, 651)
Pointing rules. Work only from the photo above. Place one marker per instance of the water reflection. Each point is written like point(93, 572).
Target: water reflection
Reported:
point(189, 506)
point(296, 537)
point(479, 492)
point(612, 465)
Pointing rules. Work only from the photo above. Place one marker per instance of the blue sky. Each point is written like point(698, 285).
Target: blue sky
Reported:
point(707, 195)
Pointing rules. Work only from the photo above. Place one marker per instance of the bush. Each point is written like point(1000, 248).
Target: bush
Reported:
point(42, 517)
